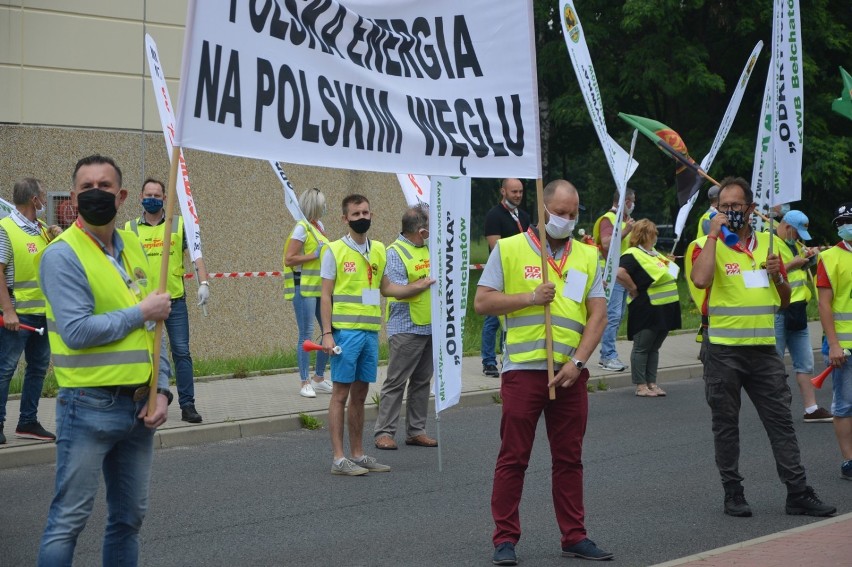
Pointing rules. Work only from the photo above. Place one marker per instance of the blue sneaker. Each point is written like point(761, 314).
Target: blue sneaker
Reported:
point(846, 470)
point(586, 549)
point(504, 554)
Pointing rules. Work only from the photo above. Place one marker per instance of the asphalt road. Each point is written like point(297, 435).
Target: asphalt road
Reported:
point(652, 494)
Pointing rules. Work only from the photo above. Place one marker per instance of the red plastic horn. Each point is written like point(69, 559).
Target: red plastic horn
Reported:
point(40, 330)
point(819, 379)
point(308, 346)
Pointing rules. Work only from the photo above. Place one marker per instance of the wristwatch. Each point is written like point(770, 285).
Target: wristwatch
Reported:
point(167, 393)
point(579, 363)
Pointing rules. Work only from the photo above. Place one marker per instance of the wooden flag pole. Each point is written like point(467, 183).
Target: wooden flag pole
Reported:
point(542, 237)
point(164, 275)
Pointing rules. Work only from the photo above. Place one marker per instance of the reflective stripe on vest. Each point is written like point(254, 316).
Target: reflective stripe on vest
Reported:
point(521, 262)
point(152, 241)
point(836, 261)
point(29, 298)
point(663, 290)
point(348, 310)
point(417, 266)
point(310, 281)
point(125, 361)
point(740, 315)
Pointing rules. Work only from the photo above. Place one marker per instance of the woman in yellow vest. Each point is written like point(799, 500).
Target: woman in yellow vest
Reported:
point(653, 305)
point(302, 286)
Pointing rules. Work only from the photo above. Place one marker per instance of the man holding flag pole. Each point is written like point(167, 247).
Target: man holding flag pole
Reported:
point(569, 289)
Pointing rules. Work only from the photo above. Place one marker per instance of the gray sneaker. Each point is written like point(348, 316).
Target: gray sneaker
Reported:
point(371, 464)
point(348, 468)
point(612, 364)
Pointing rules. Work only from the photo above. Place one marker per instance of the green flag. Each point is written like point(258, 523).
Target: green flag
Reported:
point(687, 178)
point(843, 105)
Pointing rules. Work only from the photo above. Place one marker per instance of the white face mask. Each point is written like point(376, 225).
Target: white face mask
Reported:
point(40, 210)
point(558, 227)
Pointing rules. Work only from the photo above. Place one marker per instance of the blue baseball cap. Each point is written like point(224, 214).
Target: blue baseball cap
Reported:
point(799, 221)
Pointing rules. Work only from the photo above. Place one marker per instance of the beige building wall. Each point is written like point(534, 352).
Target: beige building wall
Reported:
point(72, 84)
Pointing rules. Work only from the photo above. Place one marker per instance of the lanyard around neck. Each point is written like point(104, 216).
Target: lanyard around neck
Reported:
point(565, 252)
point(366, 258)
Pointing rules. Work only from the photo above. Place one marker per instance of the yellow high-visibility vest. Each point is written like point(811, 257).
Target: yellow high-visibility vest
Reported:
point(837, 261)
point(663, 290)
point(416, 261)
point(348, 309)
point(310, 281)
point(29, 299)
point(798, 278)
point(152, 242)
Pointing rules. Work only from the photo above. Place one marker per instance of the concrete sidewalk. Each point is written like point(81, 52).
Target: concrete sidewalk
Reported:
point(260, 405)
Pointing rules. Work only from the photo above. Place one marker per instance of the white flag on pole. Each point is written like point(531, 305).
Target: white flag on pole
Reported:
point(188, 210)
point(449, 252)
point(415, 188)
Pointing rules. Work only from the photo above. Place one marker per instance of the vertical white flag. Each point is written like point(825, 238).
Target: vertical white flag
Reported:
point(290, 199)
point(449, 253)
point(763, 178)
point(415, 188)
point(191, 225)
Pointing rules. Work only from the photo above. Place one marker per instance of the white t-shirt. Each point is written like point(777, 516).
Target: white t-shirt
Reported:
point(300, 234)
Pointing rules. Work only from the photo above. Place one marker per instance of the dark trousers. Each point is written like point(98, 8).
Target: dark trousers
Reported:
point(760, 372)
point(525, 396)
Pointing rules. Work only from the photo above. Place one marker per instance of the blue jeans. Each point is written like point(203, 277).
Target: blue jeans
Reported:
point(307, 309)
point(614, 314)
point(799, 344)
point(177, 325)
point(489, 339)
point(36, 349)
point(98, 430)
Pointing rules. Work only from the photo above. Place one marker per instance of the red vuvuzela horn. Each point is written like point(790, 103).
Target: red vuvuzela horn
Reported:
point(308, 346)
point(820, 378)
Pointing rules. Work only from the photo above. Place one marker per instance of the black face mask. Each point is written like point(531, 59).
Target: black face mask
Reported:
point(360, 226)
point(96, 206)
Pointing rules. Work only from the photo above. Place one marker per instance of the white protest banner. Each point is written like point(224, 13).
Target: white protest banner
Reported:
point(381, 86)
point(763, 175)
point(788, 103)
point(415, 188)
point(721, 134)
point(167, 118)
point(614, 255)
point(449, 252)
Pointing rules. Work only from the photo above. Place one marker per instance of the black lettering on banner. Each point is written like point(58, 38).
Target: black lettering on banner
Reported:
point(287, 126)
point(464, 52)
point(265, 91)
point(310, 132)
point(424, 118)
point(388, 128)
point(407, 43)
point(371, 129)
point(309, 18)
point(498, 148)
point(330, 129)
point(357, 37)
point(472, 135)
point(442, 46)
point(350, 117)
point(515, 146)
point(420, 28)
point(449, 300)
point(208, 85)
point(333, 28)
point(392, 67)
point(258, 18)
point(372, 41)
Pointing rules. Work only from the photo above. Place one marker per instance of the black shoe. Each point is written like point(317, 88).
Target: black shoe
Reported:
point(504, 554)
point(188, 413)
point(586, 549)
point(2, 437)
point(33, 430)
point(807, 503)
point(490, 370)
point(735, 502)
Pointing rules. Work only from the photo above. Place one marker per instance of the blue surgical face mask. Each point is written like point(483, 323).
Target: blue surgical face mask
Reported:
point(785, 209)
point(844, 231)
point(152, 205)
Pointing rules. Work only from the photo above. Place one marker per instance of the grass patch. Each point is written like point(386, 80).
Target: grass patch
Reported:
point(602, 385)
point(376, 398)
point(497, 398)
point(309, 422)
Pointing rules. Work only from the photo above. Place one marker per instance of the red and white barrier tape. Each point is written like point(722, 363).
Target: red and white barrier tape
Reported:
point(223, 275)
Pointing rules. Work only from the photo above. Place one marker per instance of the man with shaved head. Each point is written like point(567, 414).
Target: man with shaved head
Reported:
point(512, 287)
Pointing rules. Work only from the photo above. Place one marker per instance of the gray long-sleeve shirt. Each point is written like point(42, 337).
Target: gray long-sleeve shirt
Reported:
point(65, 285)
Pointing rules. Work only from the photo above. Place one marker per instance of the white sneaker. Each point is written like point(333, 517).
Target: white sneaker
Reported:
point(612, 364)
point(307, 392)
point(325, 386)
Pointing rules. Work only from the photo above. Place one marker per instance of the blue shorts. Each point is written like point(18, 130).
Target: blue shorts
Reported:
point(841, 383)
point(359, 359)
point(798, 343)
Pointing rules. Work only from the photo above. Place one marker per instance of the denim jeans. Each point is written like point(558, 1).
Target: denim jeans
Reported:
point(177, 325)
point(36, 349)
point(98, 430)
point(489, 339)
point(799, 344)
point(614, 313)
point(307, 309)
